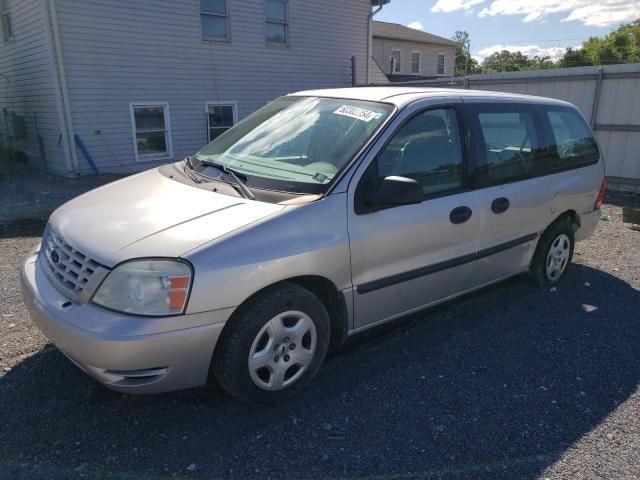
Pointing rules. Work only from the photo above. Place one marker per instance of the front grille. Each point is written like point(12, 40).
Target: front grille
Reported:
point(70, 270)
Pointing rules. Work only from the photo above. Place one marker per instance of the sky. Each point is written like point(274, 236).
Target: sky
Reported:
point(534, 27)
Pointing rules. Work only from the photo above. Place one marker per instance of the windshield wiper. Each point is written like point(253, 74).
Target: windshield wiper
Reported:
point(190, 172)
point(234, 176)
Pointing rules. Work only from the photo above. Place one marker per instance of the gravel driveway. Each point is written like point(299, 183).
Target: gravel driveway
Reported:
point(512, 382)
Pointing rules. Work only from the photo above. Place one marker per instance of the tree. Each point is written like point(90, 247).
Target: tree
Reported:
point(506, 61)
point(620, 46)
point(574, 57)
point(463, 55)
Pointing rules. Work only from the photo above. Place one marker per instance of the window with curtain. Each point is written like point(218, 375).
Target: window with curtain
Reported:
point(441, 64)
point(151, 130)
point(415, 62)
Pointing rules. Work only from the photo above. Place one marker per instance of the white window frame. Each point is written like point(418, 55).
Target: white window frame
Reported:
point(413, 52)
point(232, 104)
point(5, 16)
point(444, 64)
point(267, 21)
point(224, 15)
point(168, 155)
point(397, 67)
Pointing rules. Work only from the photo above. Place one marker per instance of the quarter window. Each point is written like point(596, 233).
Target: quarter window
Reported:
point(277, 23)
point(415, 62)
point(220, 118)
point(428, 149)
point(573, 140)
point(151, 129)
point(214, 19)
point(396, 61)
point(441, 64)
point(5, 11)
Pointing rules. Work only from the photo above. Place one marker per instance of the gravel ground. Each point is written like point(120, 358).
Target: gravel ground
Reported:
point(28, 193)
point(512, 382)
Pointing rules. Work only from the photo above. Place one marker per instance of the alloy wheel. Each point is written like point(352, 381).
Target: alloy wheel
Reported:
point(558, 257)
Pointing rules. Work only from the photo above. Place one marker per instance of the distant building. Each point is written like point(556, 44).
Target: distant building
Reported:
point(403, 54)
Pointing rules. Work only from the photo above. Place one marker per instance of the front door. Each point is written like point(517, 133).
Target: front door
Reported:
point(407, 257)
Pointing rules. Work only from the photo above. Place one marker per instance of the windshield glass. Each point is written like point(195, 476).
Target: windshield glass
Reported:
point(297, 144)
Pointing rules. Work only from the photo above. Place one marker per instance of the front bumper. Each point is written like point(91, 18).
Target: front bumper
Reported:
point(126, 353)
point(588, 224)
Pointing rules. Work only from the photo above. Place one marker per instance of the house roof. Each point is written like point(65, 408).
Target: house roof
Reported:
point(400, 32)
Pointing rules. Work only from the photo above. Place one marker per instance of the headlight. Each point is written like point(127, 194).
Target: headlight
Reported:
point(146, 287)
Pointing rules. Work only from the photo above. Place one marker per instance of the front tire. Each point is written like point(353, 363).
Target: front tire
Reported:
point(273, 346)
point(554, 253)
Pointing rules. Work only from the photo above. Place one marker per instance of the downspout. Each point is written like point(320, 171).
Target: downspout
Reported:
point(56, 87)
point(370, 40)
point(63, 84)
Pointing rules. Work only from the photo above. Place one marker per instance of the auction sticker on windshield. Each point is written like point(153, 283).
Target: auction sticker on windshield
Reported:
point(357, 112)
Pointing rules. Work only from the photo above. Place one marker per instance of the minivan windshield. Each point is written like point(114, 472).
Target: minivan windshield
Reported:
point(296, 144)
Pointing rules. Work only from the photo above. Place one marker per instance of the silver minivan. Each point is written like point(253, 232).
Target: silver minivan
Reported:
point(323, 214)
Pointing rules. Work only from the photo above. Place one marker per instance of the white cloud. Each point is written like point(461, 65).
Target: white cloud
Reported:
point(416, 25)
point(452, 5)
point(600, 13)
point(529, 50)
point(597, 16)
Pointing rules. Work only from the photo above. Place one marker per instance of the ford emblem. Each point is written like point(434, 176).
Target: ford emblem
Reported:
point(55, 257)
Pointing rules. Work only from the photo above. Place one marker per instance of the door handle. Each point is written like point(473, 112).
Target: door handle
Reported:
point(500, 205)
point(460, 215)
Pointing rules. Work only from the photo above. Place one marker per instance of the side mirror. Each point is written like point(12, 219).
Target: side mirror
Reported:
point(392, 192)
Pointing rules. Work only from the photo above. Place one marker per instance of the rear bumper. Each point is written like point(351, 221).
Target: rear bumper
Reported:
point(123, 352)
point(588, 224)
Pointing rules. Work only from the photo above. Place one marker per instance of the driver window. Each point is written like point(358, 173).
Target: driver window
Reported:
point(427, 149)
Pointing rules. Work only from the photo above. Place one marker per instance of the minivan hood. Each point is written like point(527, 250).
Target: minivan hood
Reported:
point(150, 215)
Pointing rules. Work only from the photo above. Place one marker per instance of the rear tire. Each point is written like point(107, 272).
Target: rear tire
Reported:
point(273, 346)
point(554, 253)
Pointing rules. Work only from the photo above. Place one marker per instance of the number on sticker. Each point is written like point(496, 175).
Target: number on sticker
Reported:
point(357, 112)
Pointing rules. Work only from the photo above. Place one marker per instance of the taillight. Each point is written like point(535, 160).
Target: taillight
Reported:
point(600, 198)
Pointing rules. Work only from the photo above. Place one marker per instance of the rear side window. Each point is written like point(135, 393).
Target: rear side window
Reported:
point(508, 143)
point(572, 139)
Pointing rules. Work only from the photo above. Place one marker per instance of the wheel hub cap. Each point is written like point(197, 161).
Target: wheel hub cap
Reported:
point(558, 257)
point(282, 351)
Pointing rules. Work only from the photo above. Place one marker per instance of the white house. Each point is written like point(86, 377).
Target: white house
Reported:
point(404, 53)
point(151, 81)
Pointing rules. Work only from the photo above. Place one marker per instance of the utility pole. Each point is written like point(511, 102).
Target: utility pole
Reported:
point(467, 44)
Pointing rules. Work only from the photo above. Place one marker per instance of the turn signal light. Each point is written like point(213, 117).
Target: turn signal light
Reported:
point(178, 287)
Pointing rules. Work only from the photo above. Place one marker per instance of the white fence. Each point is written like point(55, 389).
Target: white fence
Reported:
point(608, 96)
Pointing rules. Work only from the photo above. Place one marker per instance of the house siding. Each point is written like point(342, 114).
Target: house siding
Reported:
point(26, 86)
point(383, 49)
point(119, 52)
